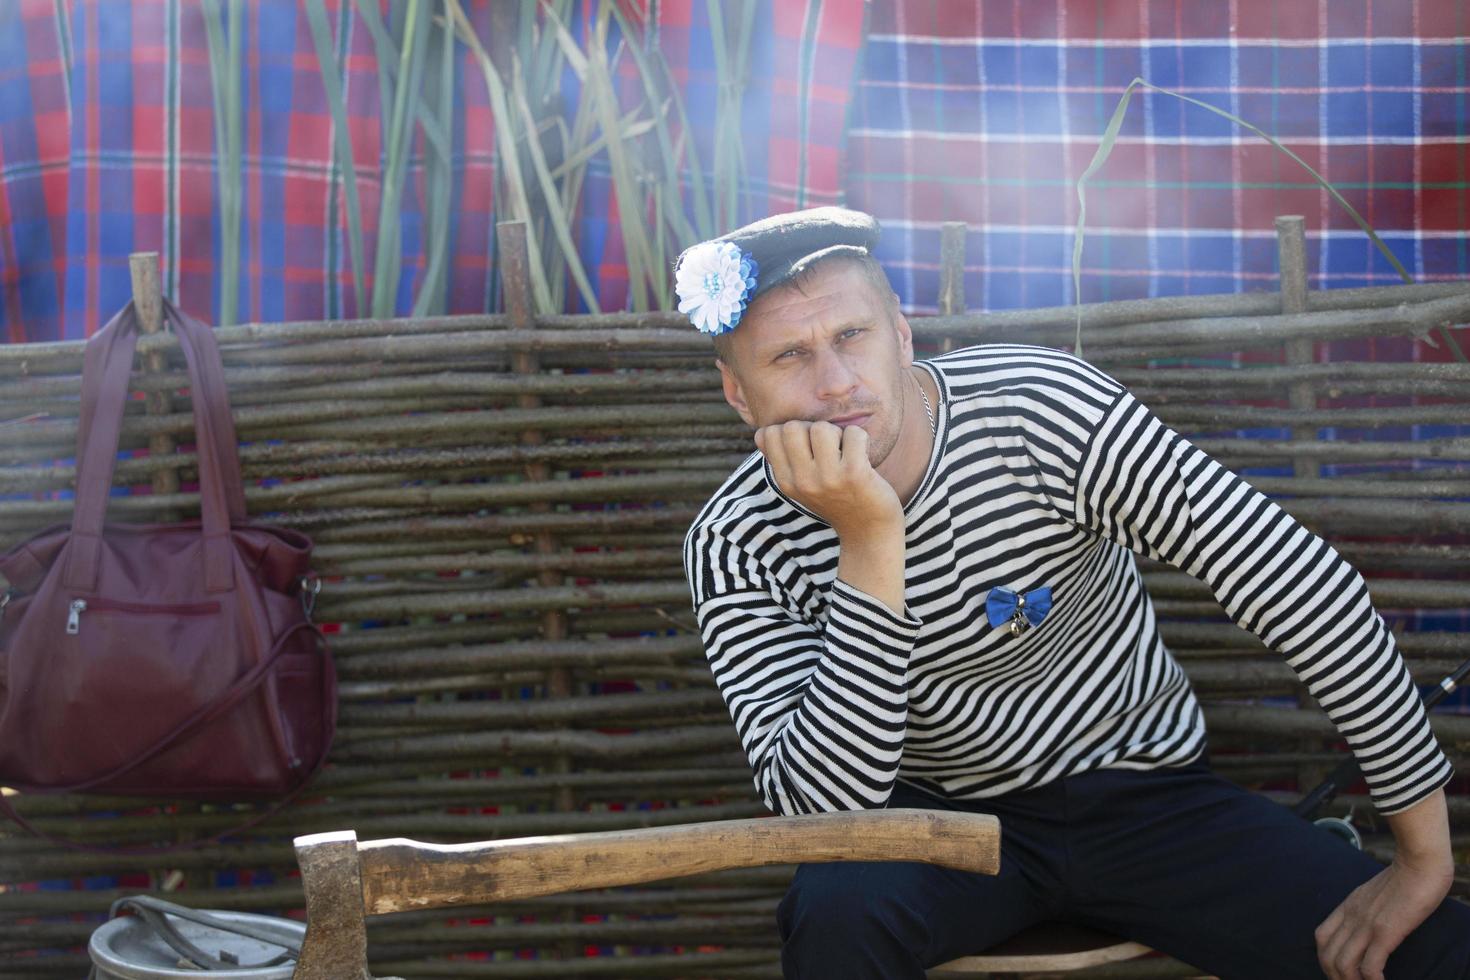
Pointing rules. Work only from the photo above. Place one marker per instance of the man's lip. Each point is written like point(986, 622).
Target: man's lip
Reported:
point(851, 419)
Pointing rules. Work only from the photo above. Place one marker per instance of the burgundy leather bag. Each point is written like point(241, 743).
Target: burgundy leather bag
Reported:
point(161, 659)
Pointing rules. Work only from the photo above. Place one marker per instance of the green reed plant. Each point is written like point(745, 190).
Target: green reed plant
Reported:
point(416, 58)
point(331, 71)
point(545, 141)
point(224, 76)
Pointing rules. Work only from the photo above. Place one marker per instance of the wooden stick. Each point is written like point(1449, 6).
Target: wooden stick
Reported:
point(59, 356)
point(951, 275)
point(1191, 320)
point(1264, 721)
point(383, 490)
point(568, 652)
point(515, 278)
point(1204, 417)
point(562, 710)
point(1442, 449)
point(148, 301)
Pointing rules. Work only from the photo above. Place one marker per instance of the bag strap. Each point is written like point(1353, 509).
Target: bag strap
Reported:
point(154, 912)
point(228, 699)
point(209, 367)
point(106, 367)
point(215, 395)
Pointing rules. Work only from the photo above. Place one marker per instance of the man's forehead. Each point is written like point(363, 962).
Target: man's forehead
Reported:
point(840, 293)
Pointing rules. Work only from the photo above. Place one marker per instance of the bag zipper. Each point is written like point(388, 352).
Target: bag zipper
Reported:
point(79, 606)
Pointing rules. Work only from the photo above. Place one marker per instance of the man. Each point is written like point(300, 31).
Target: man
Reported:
point(918, 593)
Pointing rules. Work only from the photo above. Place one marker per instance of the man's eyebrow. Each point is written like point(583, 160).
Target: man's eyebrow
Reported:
point(772, 348)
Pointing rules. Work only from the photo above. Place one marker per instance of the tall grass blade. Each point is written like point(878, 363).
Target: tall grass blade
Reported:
point(630, 126)
point(224, 68)
point(577, 145)
point(703, 207)
point(386, 51)
point(388, 261)
point(435, 118)
point(725, 127)
point(686, 233)
point(214, 33)
point(321, 36)
point(592, 69)
point(234, 186)
point(506, 136)
point(545, 70)
point(554, 212)
point(599, 86)
point(741, 68)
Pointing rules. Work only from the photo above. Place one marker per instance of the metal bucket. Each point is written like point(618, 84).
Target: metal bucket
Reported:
point(126, 949)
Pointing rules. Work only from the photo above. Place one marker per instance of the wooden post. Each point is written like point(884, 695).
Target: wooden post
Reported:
point(516, 284)
point(1291, 246)
point(951, 274)
point(515, 281)
point(148, 298)
point(1291, 243)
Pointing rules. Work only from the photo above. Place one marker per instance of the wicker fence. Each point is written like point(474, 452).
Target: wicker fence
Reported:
point(498, 504)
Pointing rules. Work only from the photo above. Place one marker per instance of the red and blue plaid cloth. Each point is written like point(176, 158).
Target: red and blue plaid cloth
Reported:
point(988, 112)
point(107, 147)
point(983, 112)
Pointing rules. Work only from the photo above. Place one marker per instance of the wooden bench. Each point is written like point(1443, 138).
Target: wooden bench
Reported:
point(1051, 947)
point(347, 880)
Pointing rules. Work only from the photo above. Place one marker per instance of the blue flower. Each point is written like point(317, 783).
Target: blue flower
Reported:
point(714, 280)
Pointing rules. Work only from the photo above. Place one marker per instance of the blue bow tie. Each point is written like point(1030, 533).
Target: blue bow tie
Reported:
point(1021, 611)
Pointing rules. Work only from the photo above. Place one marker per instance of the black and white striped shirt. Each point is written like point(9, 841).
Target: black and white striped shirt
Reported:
point(1044, 472)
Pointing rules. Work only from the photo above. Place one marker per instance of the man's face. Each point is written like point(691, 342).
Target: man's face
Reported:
point(835, 351)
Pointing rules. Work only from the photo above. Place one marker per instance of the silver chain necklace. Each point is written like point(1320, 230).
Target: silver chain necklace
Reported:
point(928, 409)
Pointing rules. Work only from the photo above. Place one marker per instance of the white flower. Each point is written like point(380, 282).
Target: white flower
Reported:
point(713, 281)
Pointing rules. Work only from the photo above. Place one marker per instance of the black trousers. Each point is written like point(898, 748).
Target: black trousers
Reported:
point(1179, 859)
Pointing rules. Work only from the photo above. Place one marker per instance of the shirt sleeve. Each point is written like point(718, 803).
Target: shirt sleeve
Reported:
point(1147, 488)
point(821, 710)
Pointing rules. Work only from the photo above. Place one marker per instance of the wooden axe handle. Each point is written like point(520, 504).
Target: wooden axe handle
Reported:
point(400, 874)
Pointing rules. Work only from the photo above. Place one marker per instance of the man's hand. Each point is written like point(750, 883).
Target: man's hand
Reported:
point(826, 470)
point(1355, 941)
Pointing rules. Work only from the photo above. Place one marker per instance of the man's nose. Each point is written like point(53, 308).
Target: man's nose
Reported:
point(835, 377)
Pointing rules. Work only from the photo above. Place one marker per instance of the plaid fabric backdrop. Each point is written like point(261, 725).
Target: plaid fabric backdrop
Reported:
point(107, 147)
point(988, 112)
point(984, 112)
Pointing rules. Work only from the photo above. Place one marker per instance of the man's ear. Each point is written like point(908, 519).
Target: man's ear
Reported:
point(905, 336)
point(733, 393)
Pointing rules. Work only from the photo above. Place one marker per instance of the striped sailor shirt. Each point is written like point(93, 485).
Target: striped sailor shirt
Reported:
point(1045, 473)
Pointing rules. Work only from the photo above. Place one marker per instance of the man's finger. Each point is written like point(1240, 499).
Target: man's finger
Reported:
point(854, 445)
point(826, 442)
point(1375, 958)
point(774, 449)
point(796, 437)
point(1329, 936)
point(796, 443)
point(1348, 956)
